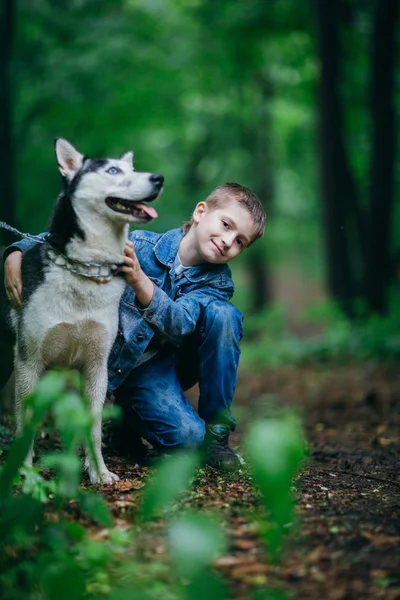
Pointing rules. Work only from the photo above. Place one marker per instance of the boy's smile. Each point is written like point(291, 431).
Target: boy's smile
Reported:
point(217, 247)
point(218, 234)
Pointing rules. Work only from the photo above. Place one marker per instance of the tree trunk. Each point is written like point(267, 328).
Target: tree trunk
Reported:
point(259, 138)
point(6, 150)
point(383, 141)
point(338, 190)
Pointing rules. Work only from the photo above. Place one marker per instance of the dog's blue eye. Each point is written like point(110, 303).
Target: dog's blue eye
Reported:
point(113, 171)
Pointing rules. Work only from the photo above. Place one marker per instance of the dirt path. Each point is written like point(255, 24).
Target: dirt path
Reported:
point(348, 541)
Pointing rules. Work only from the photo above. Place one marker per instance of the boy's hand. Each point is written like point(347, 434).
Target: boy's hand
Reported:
point(13, 279)
point(135, 277)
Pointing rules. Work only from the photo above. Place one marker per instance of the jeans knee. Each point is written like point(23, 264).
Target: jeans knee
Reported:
point(192, 434)
point(223, 317)
point(187, 434)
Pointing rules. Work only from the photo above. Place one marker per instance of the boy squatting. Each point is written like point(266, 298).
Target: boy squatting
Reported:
point(177, 326)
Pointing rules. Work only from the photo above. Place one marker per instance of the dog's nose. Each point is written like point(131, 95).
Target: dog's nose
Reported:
point(157, 179)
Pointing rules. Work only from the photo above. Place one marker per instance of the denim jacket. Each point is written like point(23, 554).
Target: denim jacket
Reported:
point(177, 303)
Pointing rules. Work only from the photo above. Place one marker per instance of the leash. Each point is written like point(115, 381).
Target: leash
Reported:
point(29, 236)
point(97, 272)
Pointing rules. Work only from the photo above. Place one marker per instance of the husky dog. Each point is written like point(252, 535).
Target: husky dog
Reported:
point(70, 284)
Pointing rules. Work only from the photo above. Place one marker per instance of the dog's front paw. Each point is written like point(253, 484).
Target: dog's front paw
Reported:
point(108, 478)
point(105, 477)
point(101, 475)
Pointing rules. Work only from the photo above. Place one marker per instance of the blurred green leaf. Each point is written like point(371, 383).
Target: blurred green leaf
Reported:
point(68, 468)
point(131, 593)
point(64, 583)
point(172, 477)
point(73, 420)
point(74, 530)
point(276, 446)
point(15, 458)
point(275, 449)
point(92, 553)
point(20, 513)
point(49, 389)
point(206, 584)
point(34, 484)
point(195, 541)
point(96, 507)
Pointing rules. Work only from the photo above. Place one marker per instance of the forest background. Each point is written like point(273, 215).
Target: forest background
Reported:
point(297, 100)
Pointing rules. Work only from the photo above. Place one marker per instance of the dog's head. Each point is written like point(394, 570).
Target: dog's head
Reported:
point(108, 187)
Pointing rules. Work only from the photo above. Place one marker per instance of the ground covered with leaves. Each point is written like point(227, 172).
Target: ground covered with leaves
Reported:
point(346, 543)
point(345, 540)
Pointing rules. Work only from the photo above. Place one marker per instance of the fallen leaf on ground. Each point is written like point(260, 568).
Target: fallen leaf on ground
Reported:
point(124, 485)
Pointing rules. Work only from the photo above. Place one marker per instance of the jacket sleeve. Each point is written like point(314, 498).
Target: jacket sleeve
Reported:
point(175, 319)
point(22, 246)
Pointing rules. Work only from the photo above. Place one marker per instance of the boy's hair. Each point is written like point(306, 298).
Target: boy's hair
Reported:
point(228, 192)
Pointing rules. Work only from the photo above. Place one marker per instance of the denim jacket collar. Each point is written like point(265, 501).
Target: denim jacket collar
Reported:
point(166, 250)
point(167, 246)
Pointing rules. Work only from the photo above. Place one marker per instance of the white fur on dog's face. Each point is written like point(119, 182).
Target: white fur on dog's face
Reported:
point(103, 182)
point(118, 180)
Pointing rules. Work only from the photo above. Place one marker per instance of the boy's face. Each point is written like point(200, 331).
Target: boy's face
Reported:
point(222, 233)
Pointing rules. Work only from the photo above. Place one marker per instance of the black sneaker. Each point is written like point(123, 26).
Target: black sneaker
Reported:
point(218, 454)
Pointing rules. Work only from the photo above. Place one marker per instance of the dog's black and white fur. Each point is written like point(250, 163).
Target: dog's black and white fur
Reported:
point(71, 319)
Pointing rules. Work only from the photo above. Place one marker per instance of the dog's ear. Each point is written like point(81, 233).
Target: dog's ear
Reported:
point(128, 157)
point(69, 159)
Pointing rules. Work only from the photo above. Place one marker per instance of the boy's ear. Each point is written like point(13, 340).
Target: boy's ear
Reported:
point(199, 211)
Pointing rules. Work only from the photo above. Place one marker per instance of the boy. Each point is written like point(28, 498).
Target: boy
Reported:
point(177, 325)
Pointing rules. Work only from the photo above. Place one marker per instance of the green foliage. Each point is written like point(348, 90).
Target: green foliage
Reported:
point(64, 554)
point(94, 506)
point(209, 96)
point(109, 77)
point(48, 391)
point(35, 485)
point(195, 541)
point(70, 563)
point(173, 477)
point(271, 344)
point(276, 447)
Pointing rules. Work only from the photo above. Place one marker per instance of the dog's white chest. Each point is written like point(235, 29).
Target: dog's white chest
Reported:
point(69, 320)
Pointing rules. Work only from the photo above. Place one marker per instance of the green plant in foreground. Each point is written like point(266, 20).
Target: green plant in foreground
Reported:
point(194, 540)
point(38, 557)
point(43, 559)
point(276, 448)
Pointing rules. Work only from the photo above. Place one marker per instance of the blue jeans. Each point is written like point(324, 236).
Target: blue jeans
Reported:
point(152, 396)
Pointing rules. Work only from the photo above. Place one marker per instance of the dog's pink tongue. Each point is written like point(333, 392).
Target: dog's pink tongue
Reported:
point(149, 210)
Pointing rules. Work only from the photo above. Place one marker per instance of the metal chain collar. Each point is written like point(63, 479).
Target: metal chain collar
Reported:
point(99, 272)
